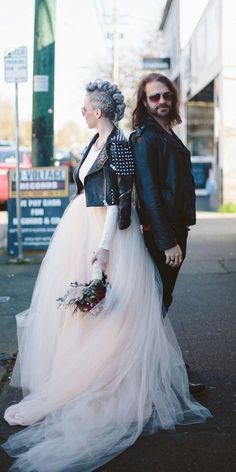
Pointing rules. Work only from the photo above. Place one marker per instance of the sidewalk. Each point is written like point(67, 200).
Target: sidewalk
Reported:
point(203, 316)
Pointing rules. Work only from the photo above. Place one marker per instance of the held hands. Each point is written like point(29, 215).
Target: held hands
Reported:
point(174, 256)
point(102, 256)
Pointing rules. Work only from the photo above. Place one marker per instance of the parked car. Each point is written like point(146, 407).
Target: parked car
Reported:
point(7, 162)
point(5, 142)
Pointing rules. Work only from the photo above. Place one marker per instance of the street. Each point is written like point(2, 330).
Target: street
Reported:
point(203, 315)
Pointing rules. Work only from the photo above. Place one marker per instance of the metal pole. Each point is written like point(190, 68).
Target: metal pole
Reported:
point(115, 45)
point(18, 206)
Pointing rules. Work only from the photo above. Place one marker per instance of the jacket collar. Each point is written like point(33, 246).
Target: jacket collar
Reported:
point(116, 135)
point(172, 139)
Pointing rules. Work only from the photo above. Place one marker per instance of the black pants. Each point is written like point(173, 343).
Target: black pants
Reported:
point(168, 274)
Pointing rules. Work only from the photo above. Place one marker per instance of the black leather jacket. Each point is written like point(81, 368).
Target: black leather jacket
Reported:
point(110, 179)
point(164, 182)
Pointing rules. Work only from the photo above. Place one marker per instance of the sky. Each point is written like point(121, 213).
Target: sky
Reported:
point(80, 44)
point(191, 11)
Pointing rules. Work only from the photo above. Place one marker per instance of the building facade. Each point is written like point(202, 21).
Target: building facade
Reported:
point(205, 72)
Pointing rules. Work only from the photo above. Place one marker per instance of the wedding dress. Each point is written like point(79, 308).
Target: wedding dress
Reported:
point(93, 384)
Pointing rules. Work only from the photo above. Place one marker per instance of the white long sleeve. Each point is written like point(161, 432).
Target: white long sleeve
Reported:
point(112, 210)
point(109, 227)
point(111, 214)
point(107, 235)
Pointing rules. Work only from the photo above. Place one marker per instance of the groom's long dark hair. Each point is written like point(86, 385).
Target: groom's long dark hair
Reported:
point(140, 111)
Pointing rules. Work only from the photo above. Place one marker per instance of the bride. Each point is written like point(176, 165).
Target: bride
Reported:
point(93, 384)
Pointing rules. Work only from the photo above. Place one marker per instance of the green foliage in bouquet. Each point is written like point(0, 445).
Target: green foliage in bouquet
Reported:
point(84, 297)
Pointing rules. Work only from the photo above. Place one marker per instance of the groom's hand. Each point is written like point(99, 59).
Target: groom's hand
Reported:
point(174, 256)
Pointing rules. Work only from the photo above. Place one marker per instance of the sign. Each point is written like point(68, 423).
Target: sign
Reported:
point(160, 63)
point(200, 171)
point(41, 83)
point(16, 65)
point(203, 170)
point(44, 197)
point(40, 182)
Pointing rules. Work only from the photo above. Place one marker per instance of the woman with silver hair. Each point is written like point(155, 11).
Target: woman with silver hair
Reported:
point(93, 384)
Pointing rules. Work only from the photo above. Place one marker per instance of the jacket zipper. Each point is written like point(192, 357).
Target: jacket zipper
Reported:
point(105, 187)
point(125, 193)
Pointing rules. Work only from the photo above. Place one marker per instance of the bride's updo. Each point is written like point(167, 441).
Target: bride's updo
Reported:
point(108, 98)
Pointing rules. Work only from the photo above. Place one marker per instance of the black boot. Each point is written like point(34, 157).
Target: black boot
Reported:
point(197, 388)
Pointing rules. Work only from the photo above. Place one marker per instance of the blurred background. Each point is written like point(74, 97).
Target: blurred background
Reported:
point(71, 42)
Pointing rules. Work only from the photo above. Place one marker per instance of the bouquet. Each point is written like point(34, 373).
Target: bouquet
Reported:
point(85, 297)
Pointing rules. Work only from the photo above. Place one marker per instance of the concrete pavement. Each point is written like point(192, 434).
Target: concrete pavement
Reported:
point(204, 318)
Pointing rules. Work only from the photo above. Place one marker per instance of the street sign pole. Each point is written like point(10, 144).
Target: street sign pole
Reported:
point(16, 71)
point(18, 205)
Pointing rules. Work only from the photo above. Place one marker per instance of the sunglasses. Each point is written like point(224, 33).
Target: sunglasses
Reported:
point(156, 98)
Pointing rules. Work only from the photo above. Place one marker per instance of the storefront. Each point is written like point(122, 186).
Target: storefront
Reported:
point(207, 71)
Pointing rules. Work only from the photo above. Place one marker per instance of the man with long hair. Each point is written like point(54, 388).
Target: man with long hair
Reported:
point(163, 179)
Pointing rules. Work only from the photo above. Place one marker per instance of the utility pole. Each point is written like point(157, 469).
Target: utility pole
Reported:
point(111, 23)
point(43, 82)
point(115, 44)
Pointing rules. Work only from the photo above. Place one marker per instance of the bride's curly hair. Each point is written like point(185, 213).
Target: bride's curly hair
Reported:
point(108, 98)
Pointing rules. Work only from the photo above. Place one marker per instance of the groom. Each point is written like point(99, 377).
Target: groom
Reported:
point(163, 179)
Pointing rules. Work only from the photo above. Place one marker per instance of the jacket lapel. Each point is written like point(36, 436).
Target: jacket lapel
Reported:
point(116, 135)
point(171, 139)
point(99, 162)
point(174, 141)
point(102, 156)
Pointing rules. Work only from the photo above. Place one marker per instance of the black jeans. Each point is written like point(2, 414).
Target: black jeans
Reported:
point(168, 274)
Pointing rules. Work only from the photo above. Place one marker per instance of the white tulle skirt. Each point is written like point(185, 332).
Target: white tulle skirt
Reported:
point(91, 384)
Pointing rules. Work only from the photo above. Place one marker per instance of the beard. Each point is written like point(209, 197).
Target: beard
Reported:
point(160, 111)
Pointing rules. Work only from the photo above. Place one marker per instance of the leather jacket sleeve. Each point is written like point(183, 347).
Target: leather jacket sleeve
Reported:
point(146, 151)
point(123, 165)
point(125, 183)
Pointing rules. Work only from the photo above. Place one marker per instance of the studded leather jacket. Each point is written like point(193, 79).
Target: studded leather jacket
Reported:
point(110, 179)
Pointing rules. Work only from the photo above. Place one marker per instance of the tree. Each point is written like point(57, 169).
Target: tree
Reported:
point(131, 69)
point(7, 121)
point(68, 135)
point(8, 125)
point(26, 133)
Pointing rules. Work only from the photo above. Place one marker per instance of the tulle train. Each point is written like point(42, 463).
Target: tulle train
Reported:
point(92, 385)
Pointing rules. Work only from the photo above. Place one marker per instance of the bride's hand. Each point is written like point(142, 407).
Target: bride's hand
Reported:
point(102, 256)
